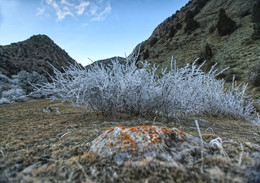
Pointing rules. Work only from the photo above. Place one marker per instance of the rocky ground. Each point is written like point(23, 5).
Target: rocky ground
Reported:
point(49, 141)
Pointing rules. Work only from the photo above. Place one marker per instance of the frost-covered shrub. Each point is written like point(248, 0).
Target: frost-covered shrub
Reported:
point(4, 101)
point(25, 80)
point(4, 83)
point(125, 88)
point(16, 94)
point(19, 86)
point(4, 78)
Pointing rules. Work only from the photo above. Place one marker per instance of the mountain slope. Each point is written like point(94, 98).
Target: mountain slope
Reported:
point(106, 62)
point(226, 32)
point(33, 54)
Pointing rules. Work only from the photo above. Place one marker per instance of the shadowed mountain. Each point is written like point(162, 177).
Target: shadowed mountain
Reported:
point(226, 32)
point(33, 54)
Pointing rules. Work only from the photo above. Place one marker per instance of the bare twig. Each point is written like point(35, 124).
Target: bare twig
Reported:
point(201, 144)
point(241, 154)
point(65, 134)
point(2, 153)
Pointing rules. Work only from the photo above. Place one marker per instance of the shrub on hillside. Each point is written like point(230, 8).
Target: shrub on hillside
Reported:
point(191, 25)
point(178, 26)
point(256, 13)
point(153, 41)
point(254, 78)
point(146, 54)
point(19, 86)
point(172, 32)
point(125, 88)
point(4, 83)
point(225, 24)
point(14, 94)
point(25, 80)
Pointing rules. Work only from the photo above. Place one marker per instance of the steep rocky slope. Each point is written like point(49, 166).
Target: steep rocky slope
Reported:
point(226, 32)
point(33, 54)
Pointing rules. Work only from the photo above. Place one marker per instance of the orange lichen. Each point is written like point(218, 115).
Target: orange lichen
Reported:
point(152, 132)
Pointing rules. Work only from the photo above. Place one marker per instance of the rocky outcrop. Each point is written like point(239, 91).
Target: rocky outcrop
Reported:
point(224, 32)
point(33, 54)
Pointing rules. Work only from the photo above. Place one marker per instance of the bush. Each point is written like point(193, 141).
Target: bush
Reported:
point(225, 24)
point(178, 26)
point(256, 13)
point(125, 88)
point(212, 29)
point(4, 101)
point(172, 32)
point(146, 54)
point(153, 41)
point(256, 20)
point(25, 80)
point(254, 77)
point(19, 86)
point(17, 95)
point(191, 25)
point(5, 83)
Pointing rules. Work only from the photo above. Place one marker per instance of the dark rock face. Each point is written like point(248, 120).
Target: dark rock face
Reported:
point(33, 55)
point(226, 32)
point(225, 25)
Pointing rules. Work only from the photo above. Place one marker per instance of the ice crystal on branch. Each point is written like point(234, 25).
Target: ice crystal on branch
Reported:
point(126, 88)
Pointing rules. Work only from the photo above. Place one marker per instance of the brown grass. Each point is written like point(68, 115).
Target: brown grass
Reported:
point(37, 146)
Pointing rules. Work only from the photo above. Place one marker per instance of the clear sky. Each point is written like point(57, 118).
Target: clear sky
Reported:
point(95, 29)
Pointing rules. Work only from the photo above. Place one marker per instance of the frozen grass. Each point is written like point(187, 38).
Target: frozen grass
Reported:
point(187, 91)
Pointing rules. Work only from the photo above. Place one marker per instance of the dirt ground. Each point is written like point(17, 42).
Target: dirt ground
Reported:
point(48, 141)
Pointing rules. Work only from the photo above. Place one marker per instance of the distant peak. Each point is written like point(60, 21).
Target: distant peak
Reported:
point(40, 37)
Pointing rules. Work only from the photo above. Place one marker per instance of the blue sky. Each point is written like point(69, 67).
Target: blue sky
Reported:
point(95, 29)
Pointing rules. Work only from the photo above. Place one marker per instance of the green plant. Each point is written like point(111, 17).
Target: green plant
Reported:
point(153, 41)
point(146, 54)
point(225, 25)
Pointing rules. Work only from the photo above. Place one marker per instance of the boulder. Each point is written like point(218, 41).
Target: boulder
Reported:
point(134, 144)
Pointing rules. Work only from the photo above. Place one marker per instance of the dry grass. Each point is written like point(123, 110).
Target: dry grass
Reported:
point(53, 146)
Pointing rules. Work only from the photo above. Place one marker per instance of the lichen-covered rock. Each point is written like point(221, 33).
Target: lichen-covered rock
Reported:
point(123, 144)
